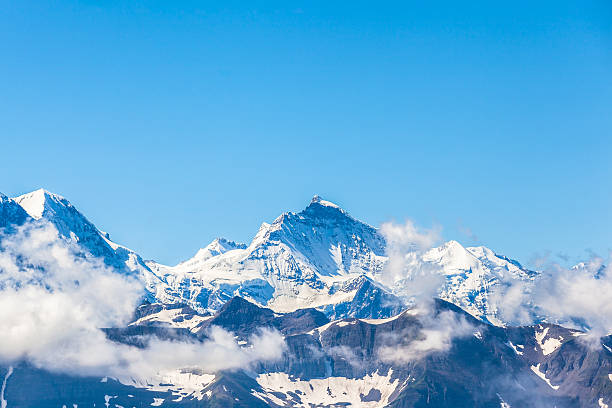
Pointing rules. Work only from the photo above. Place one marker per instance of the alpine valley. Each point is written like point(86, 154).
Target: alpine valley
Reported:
point(352, 333)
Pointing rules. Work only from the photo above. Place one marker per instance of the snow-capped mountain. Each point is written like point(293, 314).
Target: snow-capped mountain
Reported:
point(71, 224)
point(320, 257)
point(470, 274)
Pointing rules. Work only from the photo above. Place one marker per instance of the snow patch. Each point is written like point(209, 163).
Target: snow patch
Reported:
point(502, 403)
point(107, 399)
point(536, 370)
point(549, 345)
point(3, 402)
point(180, 383)
point(516, 348)
point(390, 319)
point(371, 391)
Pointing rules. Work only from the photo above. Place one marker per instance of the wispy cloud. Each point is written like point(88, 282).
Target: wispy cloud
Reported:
point(420, 282)
point(435, 334)
point(577, 297)
point(406, 244)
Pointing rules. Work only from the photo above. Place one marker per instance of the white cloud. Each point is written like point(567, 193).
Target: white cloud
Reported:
point(219, 352)
point(54, 299)
point(420, 283)
point(511, 300)
point(405, 245)
point(408, 237)
point(577, 297)
point(436, 335)
point(348, 354)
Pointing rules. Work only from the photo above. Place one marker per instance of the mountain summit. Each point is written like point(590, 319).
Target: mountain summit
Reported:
point(322, 257)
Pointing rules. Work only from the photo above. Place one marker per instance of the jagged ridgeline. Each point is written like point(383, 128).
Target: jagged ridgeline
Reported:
point(349, 336)
point(320, 257)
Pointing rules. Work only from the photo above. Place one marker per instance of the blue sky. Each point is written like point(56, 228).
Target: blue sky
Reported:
point(171, 123)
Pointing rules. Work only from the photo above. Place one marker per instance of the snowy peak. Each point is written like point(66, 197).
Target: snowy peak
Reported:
point(42, 204)
point(322, 239)
point(217, 247)
point(451, 255)
point(37, 202)
point(320, 208)
point(317, 200)
point(304, 259)
point(329, 238)
point(222, 245)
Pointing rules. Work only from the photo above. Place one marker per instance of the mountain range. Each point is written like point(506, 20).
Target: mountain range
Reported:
point(354, 338)
point(320, 257)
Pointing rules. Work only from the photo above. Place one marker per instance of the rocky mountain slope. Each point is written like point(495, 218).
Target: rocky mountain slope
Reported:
point(350, 362)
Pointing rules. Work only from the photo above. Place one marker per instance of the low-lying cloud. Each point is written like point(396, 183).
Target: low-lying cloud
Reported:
point(54, 299)
point(577, 297)
point(418, 283)
point(436, 335)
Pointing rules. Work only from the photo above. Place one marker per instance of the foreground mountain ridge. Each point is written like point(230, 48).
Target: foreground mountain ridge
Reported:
point(345, 363)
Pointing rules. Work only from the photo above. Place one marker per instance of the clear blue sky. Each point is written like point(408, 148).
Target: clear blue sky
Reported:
point(171, 123)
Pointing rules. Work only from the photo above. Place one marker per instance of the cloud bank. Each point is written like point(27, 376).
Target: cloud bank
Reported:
point(577, 297)
point(54, 298)
point(406, 244)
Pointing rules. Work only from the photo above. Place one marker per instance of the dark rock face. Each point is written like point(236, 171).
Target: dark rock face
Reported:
point(11, 213)
point(29, 387)
point(241, 316)
point(480, 365)
point(244, 319)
